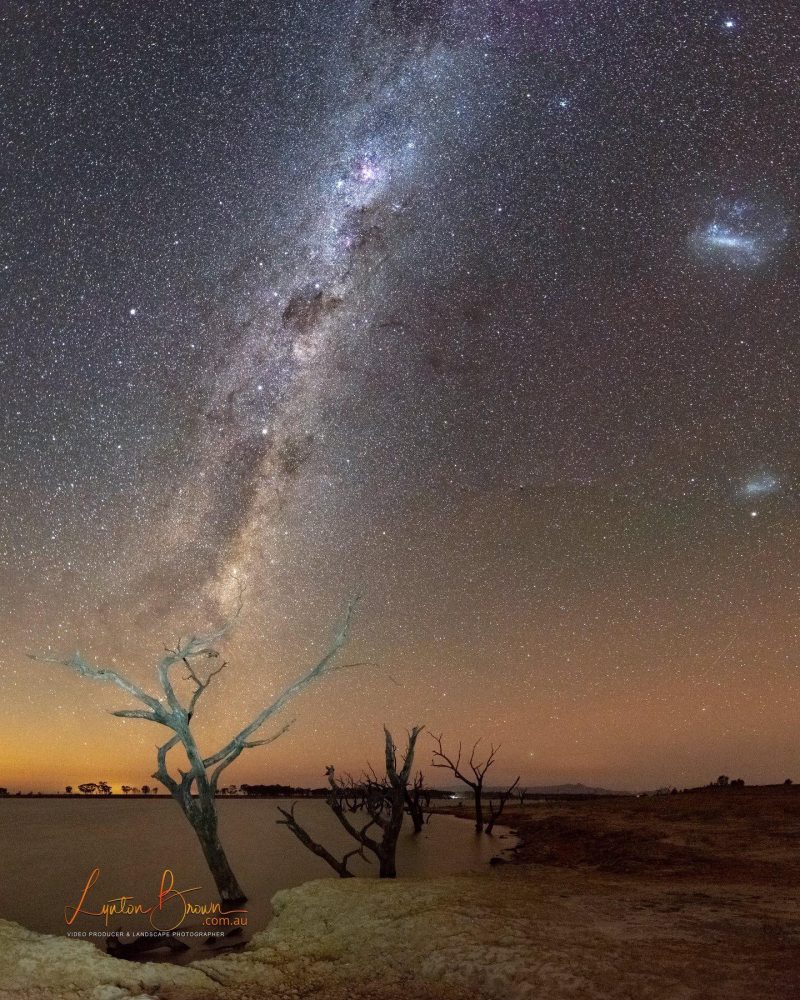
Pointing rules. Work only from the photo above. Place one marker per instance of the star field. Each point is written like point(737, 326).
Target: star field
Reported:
point(487, 310)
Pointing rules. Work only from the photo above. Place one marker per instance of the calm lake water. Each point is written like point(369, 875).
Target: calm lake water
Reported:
point(49, 847)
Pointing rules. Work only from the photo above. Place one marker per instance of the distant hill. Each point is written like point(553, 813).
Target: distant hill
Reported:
point(573, 790)
point(564, 790)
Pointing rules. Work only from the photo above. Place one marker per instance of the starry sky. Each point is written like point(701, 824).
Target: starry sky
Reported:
point(486, 310)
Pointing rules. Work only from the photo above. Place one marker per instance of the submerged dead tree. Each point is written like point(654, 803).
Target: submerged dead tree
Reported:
point(477, 767)
point(380, 802)
point(418, 799)
point(194, 789)
point(496, 808)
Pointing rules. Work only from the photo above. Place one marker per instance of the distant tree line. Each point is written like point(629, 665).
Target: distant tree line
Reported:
point(273, 791)
point(417, 793)
point(723, 781)
point(276, 791)
point(103, 788)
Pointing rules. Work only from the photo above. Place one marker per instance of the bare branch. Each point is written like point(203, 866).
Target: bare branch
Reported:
point(440, 759)
point(200, 685)
point(202, 644)
point(136, 713)
point(270, 739)
point(479, 769)
point(402, 777)
point(495, 811)
point(319, 670)
point(337, 800)
point(302, 835)
point(85, 669)
point(239, 747)
point(408, 756)
point(162, 774)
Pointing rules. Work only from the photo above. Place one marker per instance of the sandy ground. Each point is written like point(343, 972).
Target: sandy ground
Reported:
point(677, 898)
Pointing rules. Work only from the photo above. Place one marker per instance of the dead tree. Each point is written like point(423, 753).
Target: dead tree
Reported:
point(384, 801)
point(477, 767)
point(418, 798)
point(495, 811)
point(380, 802)
point(194, 789)
point(521, 793)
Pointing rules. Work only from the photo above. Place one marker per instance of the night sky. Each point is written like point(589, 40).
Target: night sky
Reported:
point(487, 310)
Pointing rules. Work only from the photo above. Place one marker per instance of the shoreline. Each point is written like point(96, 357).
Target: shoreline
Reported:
point(655, 898)
point(446, 847)
point(657, 836)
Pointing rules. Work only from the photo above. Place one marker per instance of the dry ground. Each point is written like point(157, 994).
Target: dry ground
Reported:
point(733, 835)
point(690, 897)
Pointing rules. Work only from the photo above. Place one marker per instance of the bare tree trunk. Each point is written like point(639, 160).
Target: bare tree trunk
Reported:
point(391, 833)
point(388, 865)
point(397, 782)
point(414, 803)
point(417, 816)
point(205, 825)
point(495, 811)
point(478, 810)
